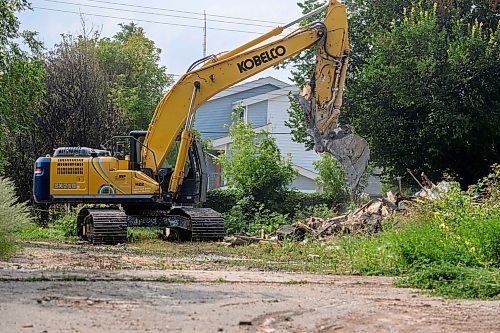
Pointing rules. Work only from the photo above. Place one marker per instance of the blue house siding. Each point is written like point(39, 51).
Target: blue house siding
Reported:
point(213, 115)
point(257, 114)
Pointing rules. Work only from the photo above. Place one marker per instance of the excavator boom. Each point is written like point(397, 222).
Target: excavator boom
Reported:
point(176, 112)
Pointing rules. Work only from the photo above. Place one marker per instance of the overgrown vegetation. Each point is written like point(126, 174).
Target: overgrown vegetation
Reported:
point(21, 74)
point(258, 176)
point(449, 246)
point(61, 227)
point(13, 216)
point(331, 176)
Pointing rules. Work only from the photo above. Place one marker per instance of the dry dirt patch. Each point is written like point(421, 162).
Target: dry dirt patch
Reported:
point(93, 290)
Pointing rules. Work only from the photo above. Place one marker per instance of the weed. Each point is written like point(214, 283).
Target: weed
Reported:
point(295, 282)
point(139, 234)
point(66, 224)
point(38, 278)
point(33, 232)
point(220, 280)
point(454, 281)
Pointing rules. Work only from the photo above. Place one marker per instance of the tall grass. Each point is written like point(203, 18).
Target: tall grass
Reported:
point(450, 246)
point(13, 216)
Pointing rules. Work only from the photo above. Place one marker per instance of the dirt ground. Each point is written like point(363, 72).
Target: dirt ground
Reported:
point(66, 288)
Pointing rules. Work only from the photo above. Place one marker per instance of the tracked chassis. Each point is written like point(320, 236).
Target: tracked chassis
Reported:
point(109, 226)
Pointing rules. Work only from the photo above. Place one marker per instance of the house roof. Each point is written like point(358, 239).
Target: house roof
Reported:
point(218, 144)
point(306, 173)
point(250, 85)
point(270, 95)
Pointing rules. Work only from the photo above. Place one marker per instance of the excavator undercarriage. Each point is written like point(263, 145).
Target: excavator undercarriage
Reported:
point(109, 225)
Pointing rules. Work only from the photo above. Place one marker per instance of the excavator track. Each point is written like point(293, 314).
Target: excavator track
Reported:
point(207, 225)
point(102, 226)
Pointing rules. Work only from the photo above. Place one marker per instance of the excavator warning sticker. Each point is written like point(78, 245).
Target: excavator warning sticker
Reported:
point(264, 57)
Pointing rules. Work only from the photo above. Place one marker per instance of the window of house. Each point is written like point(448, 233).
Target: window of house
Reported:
point(242, 112)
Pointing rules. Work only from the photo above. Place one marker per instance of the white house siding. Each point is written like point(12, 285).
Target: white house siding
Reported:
point(304, 184)
point(212, 116)
point(277, 115)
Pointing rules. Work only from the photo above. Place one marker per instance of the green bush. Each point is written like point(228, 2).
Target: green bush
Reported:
point(331, 176)
point(61, 227)
point(296, 202)
point(66, 224)
point(220, 200)
point(13, 216)
point(254, 166)
point(249, 218)
point(322, 211)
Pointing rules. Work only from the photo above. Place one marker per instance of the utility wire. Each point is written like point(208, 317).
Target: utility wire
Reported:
point(157, 14)
point(182, 11)
point(227, 132)
point(148, 21)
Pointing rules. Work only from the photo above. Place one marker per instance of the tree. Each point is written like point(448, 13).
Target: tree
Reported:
point(420, 81)
point(254, 166)
point(130, 60)
point(331, 176)
point(21, 73)
point(77, 111)
point(427, 97)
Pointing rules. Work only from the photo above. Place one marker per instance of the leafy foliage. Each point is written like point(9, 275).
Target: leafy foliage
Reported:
point(438, 88)
point(258, 176)
point(254, 166)
point(221, 200)
point(420, 76)
point(21, 73)
point(77, 111)
point(331, 176)
point(130, 60)
point(295, 203)
point(13, 216)
point(249, 217)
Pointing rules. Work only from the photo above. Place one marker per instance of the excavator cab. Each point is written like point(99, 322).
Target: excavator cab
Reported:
point(193, 189)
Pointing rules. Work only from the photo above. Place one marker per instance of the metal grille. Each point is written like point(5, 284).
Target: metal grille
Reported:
point(70, 166)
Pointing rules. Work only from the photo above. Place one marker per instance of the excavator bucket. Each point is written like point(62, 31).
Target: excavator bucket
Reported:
point(350, 149)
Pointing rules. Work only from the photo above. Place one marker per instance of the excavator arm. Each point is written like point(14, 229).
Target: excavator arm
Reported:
point(176, 112)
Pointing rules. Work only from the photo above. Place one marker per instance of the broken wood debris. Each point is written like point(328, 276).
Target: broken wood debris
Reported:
point(367, 218)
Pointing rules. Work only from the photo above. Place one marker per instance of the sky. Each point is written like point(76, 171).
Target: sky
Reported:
point(177, 28)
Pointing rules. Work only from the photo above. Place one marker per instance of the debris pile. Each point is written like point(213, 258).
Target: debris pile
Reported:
point(367, 218)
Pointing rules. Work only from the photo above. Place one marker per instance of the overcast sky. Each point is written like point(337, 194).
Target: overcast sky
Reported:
point(180, 45)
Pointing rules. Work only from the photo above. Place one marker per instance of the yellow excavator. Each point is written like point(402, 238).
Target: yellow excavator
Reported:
point(135, 176)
